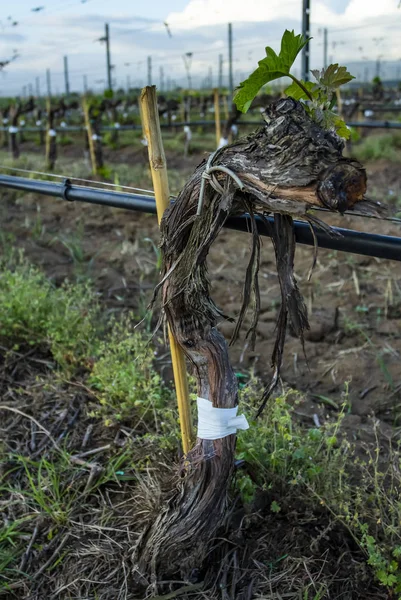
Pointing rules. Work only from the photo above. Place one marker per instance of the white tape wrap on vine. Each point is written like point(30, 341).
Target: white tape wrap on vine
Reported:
point(215, 423)
point(52, 133)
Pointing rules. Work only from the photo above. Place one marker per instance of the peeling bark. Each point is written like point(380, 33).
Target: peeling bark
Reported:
point(286, 167)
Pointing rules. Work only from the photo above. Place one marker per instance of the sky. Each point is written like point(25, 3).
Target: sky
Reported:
point(362, 34)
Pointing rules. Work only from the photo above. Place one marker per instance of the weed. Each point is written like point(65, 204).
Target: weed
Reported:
point(380, 354)
point(65, 140)
point(320, 466)
point(125, 381)
point(74, 244)
point(386, 146)
point(34, 312)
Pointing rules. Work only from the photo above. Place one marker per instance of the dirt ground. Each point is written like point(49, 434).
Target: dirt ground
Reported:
point(354, 302)
point(352, 354)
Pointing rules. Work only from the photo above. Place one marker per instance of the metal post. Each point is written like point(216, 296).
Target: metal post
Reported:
point(325, 47)
point(24, 91)
point(107, 39)
point(66, 79)
point(48, 82)
point(128, 83)
point(30, 89)
point(220, 84)
point(306, 34)
point(230, 61)
point(85, 84)
point(149, 70)
point(161, 79)
point(187, 58)
point(37, 86)
point(210, 77)
point(378, 67)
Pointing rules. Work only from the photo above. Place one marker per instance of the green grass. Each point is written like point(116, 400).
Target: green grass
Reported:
point(33, 312)
point(375, 147)
point(67, 321)
point(321, 467)
point(314, 469)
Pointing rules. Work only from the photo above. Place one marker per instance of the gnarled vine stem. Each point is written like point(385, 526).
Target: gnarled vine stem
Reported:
point(286, 167)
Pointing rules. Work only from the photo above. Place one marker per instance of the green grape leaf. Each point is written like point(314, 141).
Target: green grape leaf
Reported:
point(331, 121)
point(271, 67)
point(333, 76)
point(342, 129)
point(296, 92)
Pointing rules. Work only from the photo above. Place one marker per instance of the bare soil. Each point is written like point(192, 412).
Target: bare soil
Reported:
point(354, 305)
point(354, 301)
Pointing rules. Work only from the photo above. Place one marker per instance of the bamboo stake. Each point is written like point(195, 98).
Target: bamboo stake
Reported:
point(339, 103)
point(157, 161)
point(90, 136)
point(217, 115)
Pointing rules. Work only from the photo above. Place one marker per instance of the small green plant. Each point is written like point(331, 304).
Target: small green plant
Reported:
point(379, 147)
point(34, 312)
point(125, 381)
point(49, 487)
point(65, 140)
point(321, 468)
point(320, 94)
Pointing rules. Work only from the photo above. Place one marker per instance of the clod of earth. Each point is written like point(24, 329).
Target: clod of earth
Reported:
point(288, 166)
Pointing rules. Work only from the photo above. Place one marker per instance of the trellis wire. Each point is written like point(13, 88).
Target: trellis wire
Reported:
point(211, 123)
point(151, 192)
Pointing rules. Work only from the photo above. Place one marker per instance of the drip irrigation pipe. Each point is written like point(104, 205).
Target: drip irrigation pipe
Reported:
point(346, 240)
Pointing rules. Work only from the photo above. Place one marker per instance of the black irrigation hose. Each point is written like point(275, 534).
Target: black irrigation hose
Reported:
point(348, 240)
point(77, 128)
point(382, 109)
point(375, 124)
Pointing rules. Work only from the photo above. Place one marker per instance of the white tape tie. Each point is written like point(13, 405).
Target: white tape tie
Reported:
point(52, 133)
point(5, 121)
point(223, 142)
point(234, 129)
point(173, 117)
point(368, 113)
point(22, 123)
point(63, 124)
point(12, 129)
point(144, 141)
point(38, 123)
point(215, 423)
point(187, 132)
point(95, 137)
point(117, 125)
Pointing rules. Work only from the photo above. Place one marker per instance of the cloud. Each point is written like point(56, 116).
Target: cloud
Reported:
point(359, 32)
point(338, 12)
